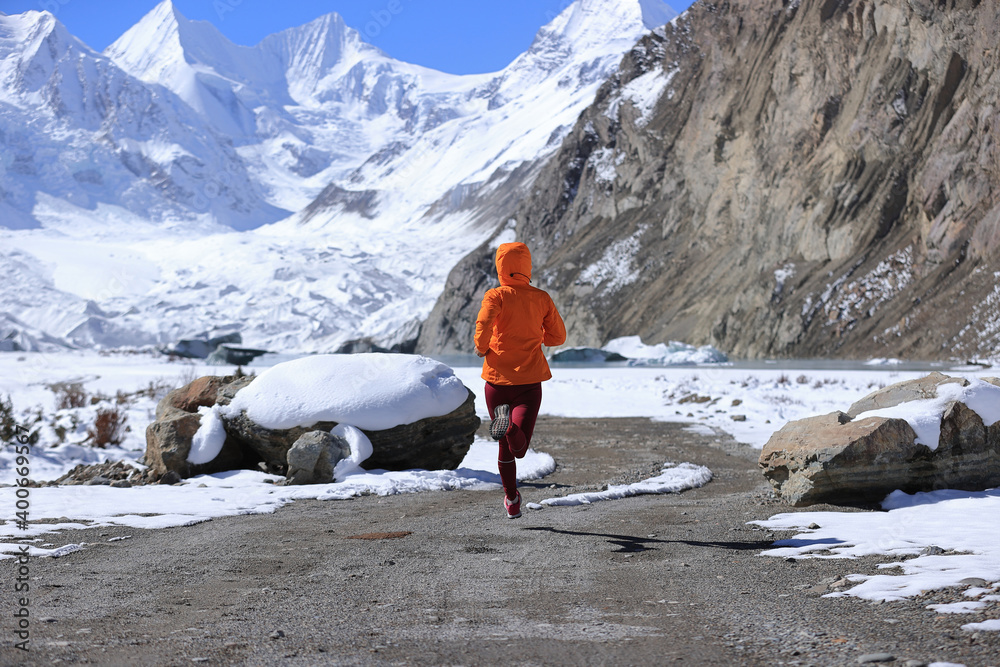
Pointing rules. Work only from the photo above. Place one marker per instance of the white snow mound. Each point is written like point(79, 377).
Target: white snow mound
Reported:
point(369, 391)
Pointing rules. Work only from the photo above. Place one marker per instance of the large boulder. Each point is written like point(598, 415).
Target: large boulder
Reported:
point(433, 443)
point(838, 458)
point(305, 454)
point(203, 391)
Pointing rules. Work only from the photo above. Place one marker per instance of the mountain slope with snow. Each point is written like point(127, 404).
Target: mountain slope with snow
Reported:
point(812, 180)
point(305, 191)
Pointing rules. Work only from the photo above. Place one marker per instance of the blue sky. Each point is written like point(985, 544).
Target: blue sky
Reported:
point(457, 36)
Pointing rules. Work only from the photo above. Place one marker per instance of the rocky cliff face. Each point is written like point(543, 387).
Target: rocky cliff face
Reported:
point(778, 179)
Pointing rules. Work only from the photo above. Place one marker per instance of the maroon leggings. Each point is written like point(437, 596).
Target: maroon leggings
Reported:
point(524, 401)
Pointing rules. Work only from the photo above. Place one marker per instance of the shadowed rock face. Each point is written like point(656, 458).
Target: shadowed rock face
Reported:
point(777, 180)
point(839, 459)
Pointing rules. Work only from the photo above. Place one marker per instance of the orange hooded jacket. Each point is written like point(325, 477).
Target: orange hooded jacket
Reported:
point(514, 322)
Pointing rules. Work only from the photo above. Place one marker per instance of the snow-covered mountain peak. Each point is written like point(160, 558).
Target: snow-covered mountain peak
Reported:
point(595, 24)
point(309, 53)
point(31, 44)
point(151, 46)
point(21, 35)
point(167, 48)
point(319, 44)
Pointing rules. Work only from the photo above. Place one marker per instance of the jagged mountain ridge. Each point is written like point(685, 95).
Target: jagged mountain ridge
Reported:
point(813, 179)
point(372, 158)
point(77, 128)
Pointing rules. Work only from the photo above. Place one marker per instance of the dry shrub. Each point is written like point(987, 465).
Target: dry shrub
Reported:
point(109, 428)
point(69, 395)
point(8, 424)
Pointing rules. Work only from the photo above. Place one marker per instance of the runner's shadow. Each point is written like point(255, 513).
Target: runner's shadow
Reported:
point(632, 544)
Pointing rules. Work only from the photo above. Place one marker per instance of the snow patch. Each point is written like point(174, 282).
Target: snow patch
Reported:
point(673, 479)
point(644, 91)
point(209, 438)
point(616, 267)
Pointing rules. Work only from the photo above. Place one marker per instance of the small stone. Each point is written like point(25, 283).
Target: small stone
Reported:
point(170, 477)
point(738, 418)
point(974, 581)
point(813, 526)
point(932, 550)
point(100, 480)
point(121, 484)
point(277, 634)
point(869, 658)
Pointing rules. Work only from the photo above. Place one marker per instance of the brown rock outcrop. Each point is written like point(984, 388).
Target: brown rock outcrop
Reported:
point(795, 179)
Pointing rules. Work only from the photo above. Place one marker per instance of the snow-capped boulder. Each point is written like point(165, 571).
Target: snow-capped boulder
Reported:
point(413, 410)
point(936, 432)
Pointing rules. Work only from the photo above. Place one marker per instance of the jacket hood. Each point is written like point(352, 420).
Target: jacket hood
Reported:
point(514, 264)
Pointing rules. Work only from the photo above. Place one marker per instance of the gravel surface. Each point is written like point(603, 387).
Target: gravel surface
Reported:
point(445, 579)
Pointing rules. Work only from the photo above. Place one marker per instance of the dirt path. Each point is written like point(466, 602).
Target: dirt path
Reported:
point(672, 579)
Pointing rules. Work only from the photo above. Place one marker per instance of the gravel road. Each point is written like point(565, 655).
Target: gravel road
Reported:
point(445, 579)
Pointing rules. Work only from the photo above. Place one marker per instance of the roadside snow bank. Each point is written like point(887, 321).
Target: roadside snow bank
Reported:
point(673, 479)
point(235, 492)
point(947, 537)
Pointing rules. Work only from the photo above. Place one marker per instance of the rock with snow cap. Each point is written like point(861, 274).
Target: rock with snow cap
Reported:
point(414, 411)
point(432, 443)
point(933, 433)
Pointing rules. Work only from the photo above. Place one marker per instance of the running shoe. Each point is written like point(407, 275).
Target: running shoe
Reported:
point(513, 507)
point(501, 421)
